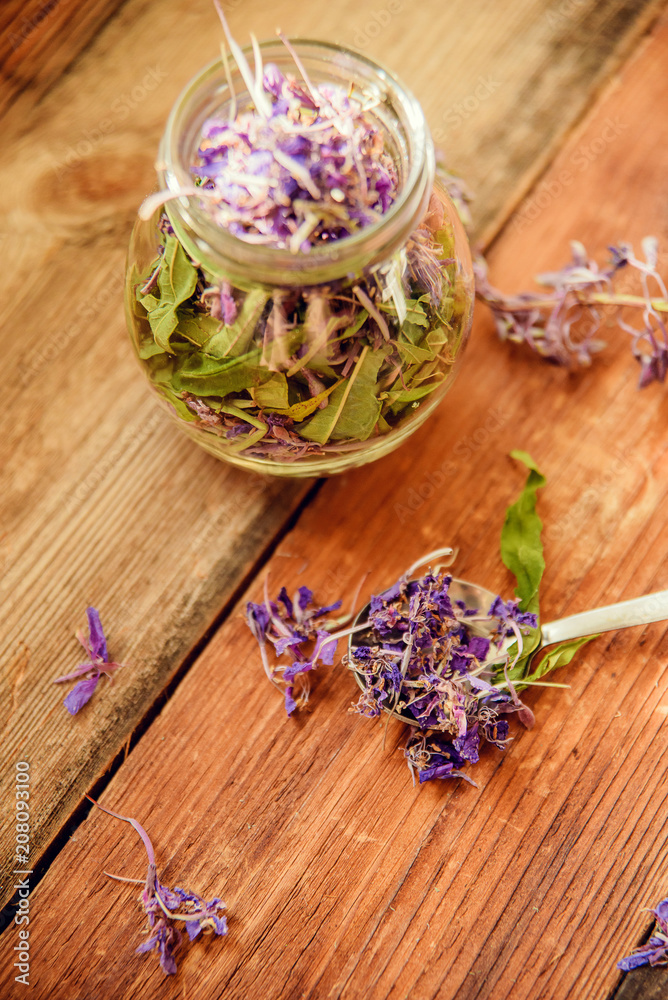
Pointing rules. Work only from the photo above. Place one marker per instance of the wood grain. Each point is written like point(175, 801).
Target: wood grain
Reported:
point(102, 502)
point(341, 879)
point(39, 41)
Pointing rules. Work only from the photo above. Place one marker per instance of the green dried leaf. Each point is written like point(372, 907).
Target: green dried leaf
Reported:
point(445, 238)
point(149, 302)
point(163, 320)
point(558, 657)
point(198, 328)
point(303, 409)
point(400, 397)
point(416, 310)
point(182, 410)
point(178, 275)
point(446, 309)
point(207, 376)
point(148, 348)
point(410, 354)
point(436, 340)
point(272, 394)
point(521, 545)
point(412, 332)
point(235, 340)
point(177, 282)
point(353, 407)
point(417, 374)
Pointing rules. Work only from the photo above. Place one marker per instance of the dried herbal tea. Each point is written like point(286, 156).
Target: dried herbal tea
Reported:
point(453, 672)
point(295, 628)
point(98, 663)
point(299, 371)
point(167, 908)
point(654, 951)
point(563, 324)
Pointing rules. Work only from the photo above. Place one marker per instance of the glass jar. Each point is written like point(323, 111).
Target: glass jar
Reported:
point(311, 363)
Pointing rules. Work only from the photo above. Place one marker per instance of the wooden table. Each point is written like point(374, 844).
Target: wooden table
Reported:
point(341, 879)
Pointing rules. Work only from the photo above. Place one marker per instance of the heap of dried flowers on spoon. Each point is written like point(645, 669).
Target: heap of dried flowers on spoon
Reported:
point(452, 671)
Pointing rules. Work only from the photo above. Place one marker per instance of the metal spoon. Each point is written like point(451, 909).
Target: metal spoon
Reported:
point(625, 614)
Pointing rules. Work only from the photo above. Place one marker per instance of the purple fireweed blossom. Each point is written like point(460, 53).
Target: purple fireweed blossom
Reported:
point(433, 756)
point(298, 628)
point(421, 658)
point(655, 951)
point(98, 663)
point(292, 164)
point(578, 294)
point(507, 612)
point(160, 905)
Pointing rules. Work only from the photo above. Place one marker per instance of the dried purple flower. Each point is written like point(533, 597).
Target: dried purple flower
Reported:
point(509, 612)
point(97, 664)
point(434, 756)
point(298, 164)
point(579, 291)
point(296, 627)
point(421, 658)
point(160, 905)
point(655, 951)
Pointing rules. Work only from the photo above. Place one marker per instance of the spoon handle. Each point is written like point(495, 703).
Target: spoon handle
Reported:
point(639, 611)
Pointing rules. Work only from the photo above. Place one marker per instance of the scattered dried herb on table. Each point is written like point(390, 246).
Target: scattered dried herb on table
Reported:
point(98, 663)
point(654, 951)
point(562, 325)
point(166, 908)
point(454, 671)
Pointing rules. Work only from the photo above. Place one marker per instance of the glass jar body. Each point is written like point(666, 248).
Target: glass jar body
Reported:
point(296, 369)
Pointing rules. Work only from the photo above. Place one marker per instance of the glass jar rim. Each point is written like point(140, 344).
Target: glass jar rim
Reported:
point(212, 245)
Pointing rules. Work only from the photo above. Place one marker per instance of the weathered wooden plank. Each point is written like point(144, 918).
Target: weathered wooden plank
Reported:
point(40, 39)
point(102, 502)
point(343, 881)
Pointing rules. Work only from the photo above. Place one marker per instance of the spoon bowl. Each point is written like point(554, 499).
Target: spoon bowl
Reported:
point(625, 614)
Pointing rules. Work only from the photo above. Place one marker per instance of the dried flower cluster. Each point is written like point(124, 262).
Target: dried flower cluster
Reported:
point(98, 663)
point(301, 165)
point(423, 657)
point(294, 628)
point(563, 325)
point(449, 670)
point(166, 908)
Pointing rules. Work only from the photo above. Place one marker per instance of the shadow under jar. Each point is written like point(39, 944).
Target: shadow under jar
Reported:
point(307, 360)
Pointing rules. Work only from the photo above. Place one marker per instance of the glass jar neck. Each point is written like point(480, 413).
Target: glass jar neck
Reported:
point(395, 111)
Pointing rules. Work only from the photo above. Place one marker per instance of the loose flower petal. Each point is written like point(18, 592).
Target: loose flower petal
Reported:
point(655, 951)
point(96, 648)
point(80, 694)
